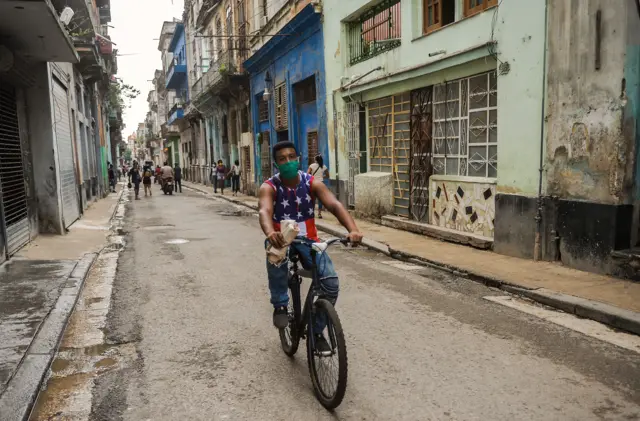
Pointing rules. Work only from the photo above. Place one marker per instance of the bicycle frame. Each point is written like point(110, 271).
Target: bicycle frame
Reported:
point(304, 317)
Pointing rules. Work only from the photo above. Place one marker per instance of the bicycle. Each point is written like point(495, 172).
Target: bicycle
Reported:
point(301, 326)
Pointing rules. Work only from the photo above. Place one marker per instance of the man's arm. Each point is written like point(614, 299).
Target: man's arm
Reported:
point(265, 212)
point(335, 207)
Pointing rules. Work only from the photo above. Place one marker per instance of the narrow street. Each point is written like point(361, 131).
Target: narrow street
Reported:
point(184, 332)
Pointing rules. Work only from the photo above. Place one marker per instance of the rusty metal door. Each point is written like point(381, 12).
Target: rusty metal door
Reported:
point(421, 152)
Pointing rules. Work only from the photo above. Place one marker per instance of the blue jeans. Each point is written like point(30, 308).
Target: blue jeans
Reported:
point(279, 278)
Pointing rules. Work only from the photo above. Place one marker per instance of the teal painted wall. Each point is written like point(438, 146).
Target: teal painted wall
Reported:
point(519, 33)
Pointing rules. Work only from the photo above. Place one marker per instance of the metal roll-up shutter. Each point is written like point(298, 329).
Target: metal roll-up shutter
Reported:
point(14, 192)
point(62, 126)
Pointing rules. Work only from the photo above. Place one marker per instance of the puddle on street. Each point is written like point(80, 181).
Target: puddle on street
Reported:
point(177, 241)
point(105, 362)
point(158, 227)
point(83, 355)
point(60, 365)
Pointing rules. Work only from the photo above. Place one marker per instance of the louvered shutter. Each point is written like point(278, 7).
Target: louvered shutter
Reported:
point(14, 193)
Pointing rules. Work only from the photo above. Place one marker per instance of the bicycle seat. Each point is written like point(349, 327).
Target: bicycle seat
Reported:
point(320, 247)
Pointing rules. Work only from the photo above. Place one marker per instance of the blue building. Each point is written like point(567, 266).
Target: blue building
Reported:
point(176, 82)
point(290, 69)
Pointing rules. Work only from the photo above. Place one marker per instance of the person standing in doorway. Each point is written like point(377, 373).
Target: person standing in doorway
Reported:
point(221, 174)
point(320, 173)
point(135, 178)
point(147, 173)
point(235, 177)
point(177, 174)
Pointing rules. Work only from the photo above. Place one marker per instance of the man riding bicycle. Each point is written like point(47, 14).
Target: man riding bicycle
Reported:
point(291, 194)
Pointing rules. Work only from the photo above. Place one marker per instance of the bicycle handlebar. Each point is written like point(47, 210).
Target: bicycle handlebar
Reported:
point(345, 241)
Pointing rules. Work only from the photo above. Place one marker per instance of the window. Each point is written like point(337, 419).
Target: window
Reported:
point(282, 115)
point(305, 91)
point(377, 30)
point(471, 7)
point(438, 13)
point(243, 50)
point(218, 37)
point(465, 127)
point(229, 29)
point(244, 120)
point(263, 110)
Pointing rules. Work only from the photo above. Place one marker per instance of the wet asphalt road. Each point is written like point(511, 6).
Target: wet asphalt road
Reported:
point(188, 336)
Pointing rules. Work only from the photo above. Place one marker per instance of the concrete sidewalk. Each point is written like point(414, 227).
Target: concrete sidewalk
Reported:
point(39, 288)
point(609, 300)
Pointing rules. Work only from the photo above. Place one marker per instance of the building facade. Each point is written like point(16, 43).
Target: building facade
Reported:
point(217, 114)
point(55, 137)
point(481, 122)
point(177, 81)
point(290, 70)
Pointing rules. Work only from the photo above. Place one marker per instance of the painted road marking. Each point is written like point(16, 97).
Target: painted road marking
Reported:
point(586, 327)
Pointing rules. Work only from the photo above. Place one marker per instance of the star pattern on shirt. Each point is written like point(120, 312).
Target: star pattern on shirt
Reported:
point(294, 203)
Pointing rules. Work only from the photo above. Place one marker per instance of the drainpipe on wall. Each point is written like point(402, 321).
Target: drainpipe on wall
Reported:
point(537, 245)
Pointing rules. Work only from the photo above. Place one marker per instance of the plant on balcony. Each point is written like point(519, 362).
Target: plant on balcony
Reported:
point(121, 94)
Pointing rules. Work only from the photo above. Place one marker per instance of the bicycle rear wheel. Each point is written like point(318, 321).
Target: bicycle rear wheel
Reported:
point(289, 337)
point(328, 371)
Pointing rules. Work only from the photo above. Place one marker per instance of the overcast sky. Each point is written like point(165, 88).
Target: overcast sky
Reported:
point(135, 25)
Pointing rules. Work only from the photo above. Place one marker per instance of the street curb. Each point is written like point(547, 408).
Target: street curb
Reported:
point(604, 313)
point(22, 390)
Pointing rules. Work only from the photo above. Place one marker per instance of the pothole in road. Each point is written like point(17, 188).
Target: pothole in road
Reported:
point(158, 227)
point(233, 213)
point(177, 241)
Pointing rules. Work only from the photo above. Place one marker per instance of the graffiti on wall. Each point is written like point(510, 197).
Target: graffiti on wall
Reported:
point(463, 206)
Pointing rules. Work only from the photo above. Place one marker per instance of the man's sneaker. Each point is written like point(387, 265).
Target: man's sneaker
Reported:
point(280, 317)
point(322, 346)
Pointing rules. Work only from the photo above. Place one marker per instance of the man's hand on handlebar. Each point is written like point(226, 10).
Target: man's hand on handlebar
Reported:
point(276, 240)
point(355, 238)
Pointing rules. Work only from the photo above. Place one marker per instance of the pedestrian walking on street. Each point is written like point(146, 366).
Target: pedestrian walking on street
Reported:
point(135, 177)
point(320, 173)
point(158, 175)
point(178, 177)
point(221, 174)
point(214, 176)
point(235, 177)
point(147, 173)
point(112, 178)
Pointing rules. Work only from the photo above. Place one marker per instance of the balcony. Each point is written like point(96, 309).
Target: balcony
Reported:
point(176, 76)
point(32, 29)
point(175, 114)
point(214, 78)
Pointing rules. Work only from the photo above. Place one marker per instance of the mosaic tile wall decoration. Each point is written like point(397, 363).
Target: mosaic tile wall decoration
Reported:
point(463, 206)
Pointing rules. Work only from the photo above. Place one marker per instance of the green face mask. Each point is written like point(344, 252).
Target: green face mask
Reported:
point(289, 170)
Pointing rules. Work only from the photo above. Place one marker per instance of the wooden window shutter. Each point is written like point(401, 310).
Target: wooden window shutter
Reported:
point(282, 118)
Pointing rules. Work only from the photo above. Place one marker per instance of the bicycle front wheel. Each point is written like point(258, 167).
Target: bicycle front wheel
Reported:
point(328, 370)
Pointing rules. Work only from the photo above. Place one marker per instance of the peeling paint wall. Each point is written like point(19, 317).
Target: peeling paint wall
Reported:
point(588, 156)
